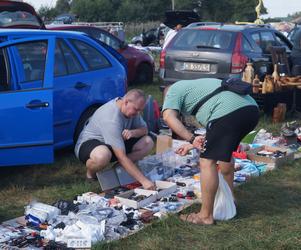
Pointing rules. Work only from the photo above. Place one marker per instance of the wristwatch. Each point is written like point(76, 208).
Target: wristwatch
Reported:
point(192, 139)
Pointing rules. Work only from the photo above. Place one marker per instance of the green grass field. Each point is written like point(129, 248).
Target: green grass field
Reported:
point(269, 206)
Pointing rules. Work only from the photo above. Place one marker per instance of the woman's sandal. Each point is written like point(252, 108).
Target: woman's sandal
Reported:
point(195, 219)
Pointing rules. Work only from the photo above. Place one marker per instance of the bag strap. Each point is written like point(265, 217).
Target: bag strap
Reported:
point(205, 99)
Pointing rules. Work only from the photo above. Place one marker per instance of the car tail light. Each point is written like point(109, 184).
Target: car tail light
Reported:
point(239, 60)
point(162, 59)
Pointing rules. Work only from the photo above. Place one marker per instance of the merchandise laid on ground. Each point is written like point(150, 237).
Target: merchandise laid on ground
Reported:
point(125, 208)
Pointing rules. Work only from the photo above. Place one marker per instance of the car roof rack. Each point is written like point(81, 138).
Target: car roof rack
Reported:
point(197, 24)
point(249, 24)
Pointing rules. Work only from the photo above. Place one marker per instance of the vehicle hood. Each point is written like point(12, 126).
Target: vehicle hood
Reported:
point(183, 17)
point(19, 15)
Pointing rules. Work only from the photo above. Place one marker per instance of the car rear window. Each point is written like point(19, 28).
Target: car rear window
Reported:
point(192, 38)
point(15, 18)
point(94, 59)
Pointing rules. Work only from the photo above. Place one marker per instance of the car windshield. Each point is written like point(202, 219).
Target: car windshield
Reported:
point(17, 18)
point(193, 38)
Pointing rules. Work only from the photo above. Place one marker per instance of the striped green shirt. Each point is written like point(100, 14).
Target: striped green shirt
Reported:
point(184, 95)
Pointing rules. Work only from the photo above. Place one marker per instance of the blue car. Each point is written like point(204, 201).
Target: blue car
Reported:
point(50, 84)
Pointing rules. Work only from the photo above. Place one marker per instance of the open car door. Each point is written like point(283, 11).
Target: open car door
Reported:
point(183, 17)
point(26, 115)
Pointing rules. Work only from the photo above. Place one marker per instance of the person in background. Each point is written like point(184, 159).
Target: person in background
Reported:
point(227, 116)
point(170, 34)
point(116, 132)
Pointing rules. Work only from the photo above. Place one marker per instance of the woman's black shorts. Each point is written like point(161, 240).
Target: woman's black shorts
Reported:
point(224, 134)
point(87, 147)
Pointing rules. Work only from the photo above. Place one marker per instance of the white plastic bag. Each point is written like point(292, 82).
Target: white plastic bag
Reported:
point(224, 207)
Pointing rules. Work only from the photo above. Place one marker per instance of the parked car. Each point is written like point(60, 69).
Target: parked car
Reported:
point(151, 37)
point(64, 19)
point(50, 84)
point(14, 14)
point(140, 64)
point(219, 51)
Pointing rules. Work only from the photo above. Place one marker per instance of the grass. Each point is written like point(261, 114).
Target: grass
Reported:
point(269, 207)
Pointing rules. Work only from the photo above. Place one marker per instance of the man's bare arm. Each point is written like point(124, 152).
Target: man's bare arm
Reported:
point(134, 133)
point(132, 169)
point(170, 116)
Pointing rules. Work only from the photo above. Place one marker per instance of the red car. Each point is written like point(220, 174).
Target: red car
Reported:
point(140, 64)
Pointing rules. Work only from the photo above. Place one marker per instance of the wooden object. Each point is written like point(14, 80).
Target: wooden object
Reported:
point(269, 84)
point(256, 85)
point(248, 74)
point(279, 57)
point(282, 107)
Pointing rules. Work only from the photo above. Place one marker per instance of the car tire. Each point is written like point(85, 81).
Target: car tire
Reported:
point(144, 74)
point(82, 121)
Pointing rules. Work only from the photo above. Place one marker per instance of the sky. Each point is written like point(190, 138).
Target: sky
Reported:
point(276, 8)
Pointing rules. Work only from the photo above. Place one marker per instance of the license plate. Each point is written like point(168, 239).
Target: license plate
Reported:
point(204, 67)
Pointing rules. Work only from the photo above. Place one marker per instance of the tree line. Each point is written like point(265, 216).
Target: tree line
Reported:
point(152, 10)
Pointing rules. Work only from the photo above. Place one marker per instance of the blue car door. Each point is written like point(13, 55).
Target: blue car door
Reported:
point(71, 89)
point(26, 127)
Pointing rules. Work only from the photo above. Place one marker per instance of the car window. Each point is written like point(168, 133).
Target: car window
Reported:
point(267, 40)
point(33, 57)
point(246, 46)
point(109, 40)
point(256, 38)
point(215, 39)
point(65, 60)
point(60, 67)
point(4, 84)
point(14, 18)
point(100, 35)
point(221, 40)
point(93, 58)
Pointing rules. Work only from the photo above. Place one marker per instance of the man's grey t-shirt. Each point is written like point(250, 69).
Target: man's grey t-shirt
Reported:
point(106, 125)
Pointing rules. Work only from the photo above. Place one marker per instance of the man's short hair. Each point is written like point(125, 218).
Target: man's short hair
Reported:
point(135, 94)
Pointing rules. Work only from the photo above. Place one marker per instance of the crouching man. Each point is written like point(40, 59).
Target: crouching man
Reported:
point(116, 132)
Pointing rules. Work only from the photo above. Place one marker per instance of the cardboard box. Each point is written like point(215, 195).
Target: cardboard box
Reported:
point(107, 179)
point(124, 198)
point(279, 161)
point(167, 188)
point(164, 142)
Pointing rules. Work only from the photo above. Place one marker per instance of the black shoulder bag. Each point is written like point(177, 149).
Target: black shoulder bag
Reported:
point(235, 85)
